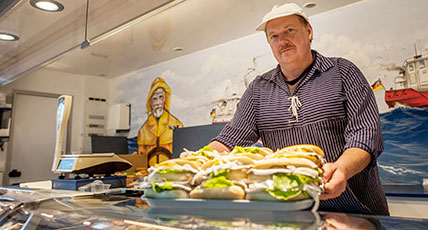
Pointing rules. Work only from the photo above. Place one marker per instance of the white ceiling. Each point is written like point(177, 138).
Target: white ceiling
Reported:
point(192, 25)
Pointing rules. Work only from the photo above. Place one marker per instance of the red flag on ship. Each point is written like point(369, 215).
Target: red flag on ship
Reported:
point(377, 85)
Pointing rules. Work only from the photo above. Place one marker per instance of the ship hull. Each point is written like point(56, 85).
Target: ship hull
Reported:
point(407, 97)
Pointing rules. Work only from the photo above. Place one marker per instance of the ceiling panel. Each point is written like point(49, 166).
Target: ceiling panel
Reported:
point(123, 36)
point(45, 36)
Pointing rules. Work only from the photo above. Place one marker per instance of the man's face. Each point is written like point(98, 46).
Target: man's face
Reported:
point(157, 102)
point(290, 40)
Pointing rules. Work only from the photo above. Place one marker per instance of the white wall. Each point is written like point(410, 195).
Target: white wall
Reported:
point(79, 86)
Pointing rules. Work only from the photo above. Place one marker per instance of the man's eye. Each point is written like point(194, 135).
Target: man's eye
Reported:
point(273, 37)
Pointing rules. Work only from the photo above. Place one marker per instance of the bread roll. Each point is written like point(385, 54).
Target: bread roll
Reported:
point(168, 194)
point(178, 161)
point(238, 174)
point(243, 160)
point(258, 178)
point(306, 148)
point(179, 177)
point(266, 151)
point(233, 192)
point(254, 156)
point(282, 162)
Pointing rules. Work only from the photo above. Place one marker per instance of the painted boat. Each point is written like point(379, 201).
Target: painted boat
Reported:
point(411, 86)
point(407, 97)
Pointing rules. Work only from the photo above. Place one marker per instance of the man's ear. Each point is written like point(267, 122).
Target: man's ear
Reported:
point(310, 32)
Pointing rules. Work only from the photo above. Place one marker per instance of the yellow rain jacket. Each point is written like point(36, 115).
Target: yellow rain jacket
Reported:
point(155, 136)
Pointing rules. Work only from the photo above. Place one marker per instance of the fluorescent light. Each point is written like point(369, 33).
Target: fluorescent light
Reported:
point(309, 5)
point(177, 49)
point(8, 37)
point(47, 5)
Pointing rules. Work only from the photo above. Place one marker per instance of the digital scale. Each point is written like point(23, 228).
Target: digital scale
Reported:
point(97, 163)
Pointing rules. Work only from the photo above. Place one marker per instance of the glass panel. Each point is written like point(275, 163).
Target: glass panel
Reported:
point(422, 64)
point(42, 35)
point(411, 67)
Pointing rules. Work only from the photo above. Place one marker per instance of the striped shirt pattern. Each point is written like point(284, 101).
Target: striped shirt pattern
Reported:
point(338, 111)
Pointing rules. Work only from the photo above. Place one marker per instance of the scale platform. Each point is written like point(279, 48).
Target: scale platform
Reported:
point(96, 163)
point(71, 184)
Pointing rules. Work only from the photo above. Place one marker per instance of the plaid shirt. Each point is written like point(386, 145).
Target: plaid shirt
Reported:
point(333, 107)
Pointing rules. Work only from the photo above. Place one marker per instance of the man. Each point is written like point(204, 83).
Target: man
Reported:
point(312, 99)
point(155, 136)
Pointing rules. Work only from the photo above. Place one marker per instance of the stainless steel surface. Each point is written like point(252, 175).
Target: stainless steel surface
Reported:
point(50, 209)
point(230, 205)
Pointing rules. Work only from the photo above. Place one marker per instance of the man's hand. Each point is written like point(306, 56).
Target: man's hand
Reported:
point(219, 147)
point(352, 161)
point(335, 181)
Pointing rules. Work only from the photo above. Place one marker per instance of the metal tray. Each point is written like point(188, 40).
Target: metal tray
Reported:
point(230, 204)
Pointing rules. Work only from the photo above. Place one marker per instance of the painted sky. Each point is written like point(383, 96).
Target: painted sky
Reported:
point(377, 35)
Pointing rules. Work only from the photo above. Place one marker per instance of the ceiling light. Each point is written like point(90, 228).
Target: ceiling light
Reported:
point(8, 37)
point(310, 5)
point(178, 49)
point(47, 5)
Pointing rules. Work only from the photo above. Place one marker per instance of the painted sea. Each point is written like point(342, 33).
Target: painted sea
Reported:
point(405, 135)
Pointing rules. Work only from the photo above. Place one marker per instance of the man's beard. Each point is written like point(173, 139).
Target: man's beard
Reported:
point(157, 113)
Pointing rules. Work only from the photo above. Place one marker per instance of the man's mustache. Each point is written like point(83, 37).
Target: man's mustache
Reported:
point(284, 47)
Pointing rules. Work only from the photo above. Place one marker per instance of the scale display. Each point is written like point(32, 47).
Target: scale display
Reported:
point(66, 164)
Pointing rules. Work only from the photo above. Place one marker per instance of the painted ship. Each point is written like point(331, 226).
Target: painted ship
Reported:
point(224, 109)
point(411, 86)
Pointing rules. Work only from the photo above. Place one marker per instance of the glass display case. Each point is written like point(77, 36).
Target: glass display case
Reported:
point(56, 209)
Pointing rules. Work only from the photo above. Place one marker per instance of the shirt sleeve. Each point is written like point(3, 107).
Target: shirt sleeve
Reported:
point(242, 130)
point(363, 129)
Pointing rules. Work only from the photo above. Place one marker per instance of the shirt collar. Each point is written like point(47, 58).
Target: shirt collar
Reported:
point(322, 63)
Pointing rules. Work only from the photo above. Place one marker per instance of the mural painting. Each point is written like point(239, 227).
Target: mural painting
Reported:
point(386, 39)
point(155, 135)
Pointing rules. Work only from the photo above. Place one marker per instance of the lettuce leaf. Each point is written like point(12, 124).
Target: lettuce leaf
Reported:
point(286, 185)
point(252, 150)
point(239, 149)
point(200, 154)
point(161, 188)
point(218, 182)
point(167, 171)
point(284, 195)
point(292, 180)
point(223, 172)
point(206, 148)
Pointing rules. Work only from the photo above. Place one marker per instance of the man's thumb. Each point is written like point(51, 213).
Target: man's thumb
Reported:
point(328, 171)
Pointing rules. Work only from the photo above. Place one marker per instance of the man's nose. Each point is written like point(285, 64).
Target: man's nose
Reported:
point(283, 37)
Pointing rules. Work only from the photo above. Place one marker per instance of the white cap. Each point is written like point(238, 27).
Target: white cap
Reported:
point(281, 11)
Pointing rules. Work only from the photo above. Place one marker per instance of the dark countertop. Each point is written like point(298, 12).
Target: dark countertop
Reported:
point(407, 190)
point(127, 211)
